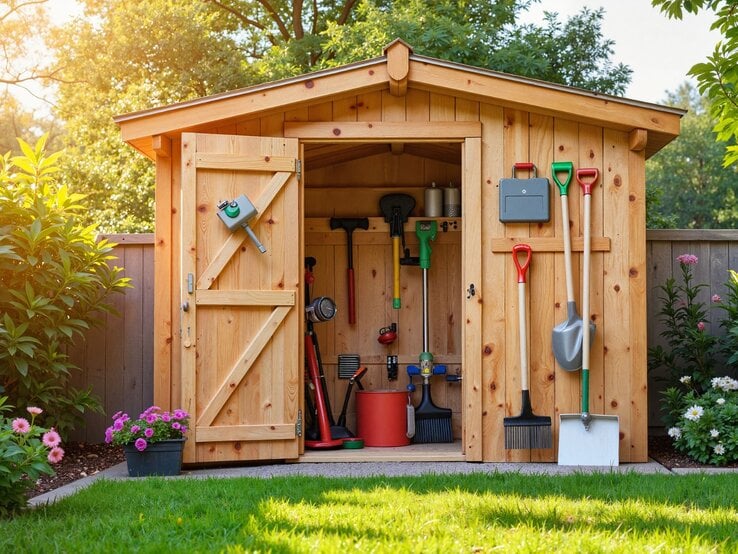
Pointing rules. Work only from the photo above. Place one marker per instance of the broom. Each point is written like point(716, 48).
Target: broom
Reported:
point(526, 430)
point(432, 423)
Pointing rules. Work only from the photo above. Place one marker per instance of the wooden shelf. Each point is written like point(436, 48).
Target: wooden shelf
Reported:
point(549, 244)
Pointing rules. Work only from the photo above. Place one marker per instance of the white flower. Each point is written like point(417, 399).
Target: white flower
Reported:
point(720, 401)
point(685, 379)
point(675, 432)
point(724, 383)
point(714, 433)
point(719, 449)
point(694, 412)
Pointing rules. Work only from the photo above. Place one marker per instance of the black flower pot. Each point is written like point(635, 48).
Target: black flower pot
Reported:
point(159, 458)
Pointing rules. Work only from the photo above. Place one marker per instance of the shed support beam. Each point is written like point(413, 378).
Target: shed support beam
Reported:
point(638, 140)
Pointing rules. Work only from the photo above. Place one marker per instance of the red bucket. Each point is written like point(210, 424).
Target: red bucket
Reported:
point(381, 417)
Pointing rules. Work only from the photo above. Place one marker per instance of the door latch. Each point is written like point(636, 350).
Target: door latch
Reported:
point(471, 291)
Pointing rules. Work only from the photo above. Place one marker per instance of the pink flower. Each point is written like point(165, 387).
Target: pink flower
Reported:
point(51, 439)
point(716, 298)
point(701, 326)
point(149, 432)
point(176, 425)
point(135, 429)
point(118, 424)
point(687, 259)
point(166, 417)
point(140, 445)
point(33, 410)
point(151, 418)
point(55, 455)
point(108, 435)
point(180, 414)
point(117, 414)
point(20, 425)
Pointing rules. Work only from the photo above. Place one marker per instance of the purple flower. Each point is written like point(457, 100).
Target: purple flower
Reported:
point(180, 414)
point(109, 435)
point(716, 298)
point(151, 418)
point(135, 429)
point(118, 424)
point(148, 432)
point(140, 445)
point(701, 326)
point(117, 414)
point(166, 417)
point(176, 425)
point(687, 259)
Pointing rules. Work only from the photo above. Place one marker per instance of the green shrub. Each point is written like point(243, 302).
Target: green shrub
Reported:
point(26, 452)
point(55, 281)
point(701, 409)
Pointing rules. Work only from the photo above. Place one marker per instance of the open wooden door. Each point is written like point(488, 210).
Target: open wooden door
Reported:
point(241, 370)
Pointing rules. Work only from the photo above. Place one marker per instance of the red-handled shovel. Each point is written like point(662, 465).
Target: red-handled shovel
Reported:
point(348, 224)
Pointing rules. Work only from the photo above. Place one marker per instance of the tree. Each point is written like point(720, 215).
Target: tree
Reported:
point(717, 78)
point(126, 55)
point(695, 191)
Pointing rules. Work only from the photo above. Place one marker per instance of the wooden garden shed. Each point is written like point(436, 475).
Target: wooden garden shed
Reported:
point(229, 320)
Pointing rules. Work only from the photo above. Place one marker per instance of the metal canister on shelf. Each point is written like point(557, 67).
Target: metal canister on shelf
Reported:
point(451, 201)
point(433, 201)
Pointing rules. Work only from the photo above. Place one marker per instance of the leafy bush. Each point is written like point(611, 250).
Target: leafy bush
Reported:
point(26, 452)
point(691, 350)
point(701, 409)
point(55, 280)
point(706, 425)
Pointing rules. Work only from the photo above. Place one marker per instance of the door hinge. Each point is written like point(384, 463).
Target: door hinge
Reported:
point(298, 169)
point(298, 424)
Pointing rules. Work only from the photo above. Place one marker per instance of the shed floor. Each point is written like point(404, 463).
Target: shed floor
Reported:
point(436, 452)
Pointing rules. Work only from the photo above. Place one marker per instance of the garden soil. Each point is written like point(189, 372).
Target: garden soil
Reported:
point(84, 459)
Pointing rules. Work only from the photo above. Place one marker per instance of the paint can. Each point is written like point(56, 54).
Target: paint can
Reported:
point(433, 201)
point(451, 201)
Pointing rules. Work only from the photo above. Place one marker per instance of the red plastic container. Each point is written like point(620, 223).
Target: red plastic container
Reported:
point(381, 417)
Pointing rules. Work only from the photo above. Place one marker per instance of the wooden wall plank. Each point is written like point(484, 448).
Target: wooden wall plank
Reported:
point(516, 148)
point(637, 272)
point(494, 328)
point(614, 325)
point(542, 282)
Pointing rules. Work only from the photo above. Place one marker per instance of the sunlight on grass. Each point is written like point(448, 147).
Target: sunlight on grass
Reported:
point(469, 513)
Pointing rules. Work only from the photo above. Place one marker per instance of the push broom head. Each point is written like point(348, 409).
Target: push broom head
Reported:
point(527, 430)
point(432, 423)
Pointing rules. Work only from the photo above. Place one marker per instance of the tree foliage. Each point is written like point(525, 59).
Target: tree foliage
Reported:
point(695, 191)
point(55, 278)
point(127, 55)
point(717, 77)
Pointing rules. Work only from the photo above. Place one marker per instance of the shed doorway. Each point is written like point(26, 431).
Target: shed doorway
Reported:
point(347, 180)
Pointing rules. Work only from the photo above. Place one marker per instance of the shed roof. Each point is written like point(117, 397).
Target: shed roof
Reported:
point(396, 70)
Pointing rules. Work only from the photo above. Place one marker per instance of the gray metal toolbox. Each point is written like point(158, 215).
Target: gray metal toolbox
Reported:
point(524, 200)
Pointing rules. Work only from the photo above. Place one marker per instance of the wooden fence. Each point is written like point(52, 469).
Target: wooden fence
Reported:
point(117, 359)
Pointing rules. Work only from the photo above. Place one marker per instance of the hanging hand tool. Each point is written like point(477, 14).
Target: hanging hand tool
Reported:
point(566, 338)
point(348, 224)
point(396, 208)
point(527, 430)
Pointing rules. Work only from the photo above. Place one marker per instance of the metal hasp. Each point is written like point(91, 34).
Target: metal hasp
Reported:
point(238, 213)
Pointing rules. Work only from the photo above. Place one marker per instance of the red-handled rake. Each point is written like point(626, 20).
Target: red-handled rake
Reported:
point(526, 430)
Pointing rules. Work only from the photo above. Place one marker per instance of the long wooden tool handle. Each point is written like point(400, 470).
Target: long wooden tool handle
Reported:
point(396, 273)
point(351, 295)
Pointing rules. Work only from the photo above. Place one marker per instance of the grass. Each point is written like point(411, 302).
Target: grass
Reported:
point(439, 513)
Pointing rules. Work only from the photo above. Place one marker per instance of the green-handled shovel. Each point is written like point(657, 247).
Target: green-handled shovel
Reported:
point(566, 337)
point(586, 439)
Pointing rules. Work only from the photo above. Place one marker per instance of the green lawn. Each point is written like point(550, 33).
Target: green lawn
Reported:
point(453, 513)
